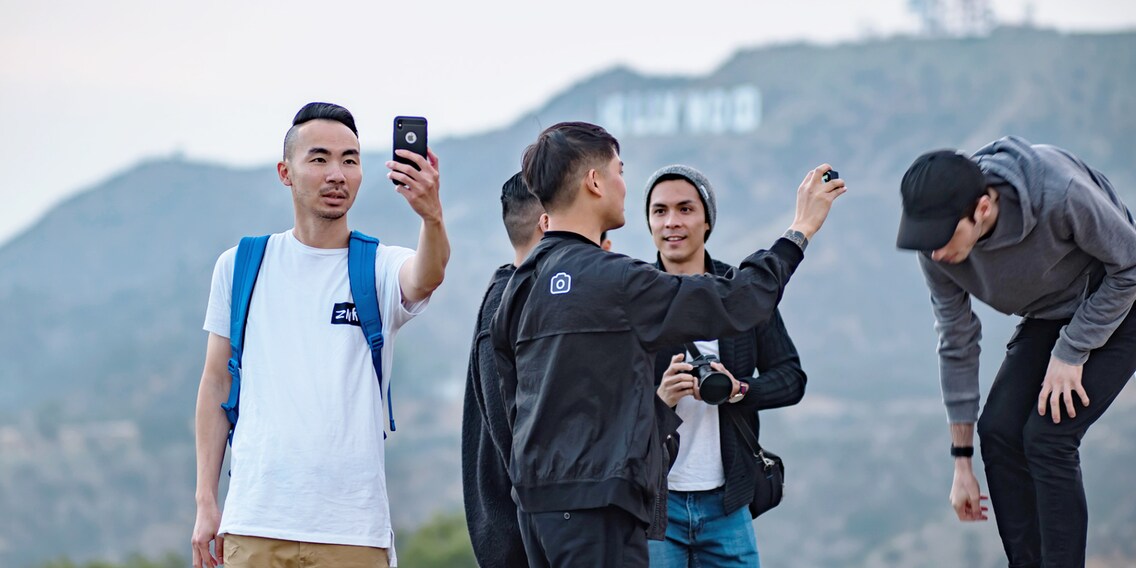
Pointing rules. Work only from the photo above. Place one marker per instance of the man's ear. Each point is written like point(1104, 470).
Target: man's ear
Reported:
point(543, 223)
point(592, 182)
point(985, 205)
point(283, 173)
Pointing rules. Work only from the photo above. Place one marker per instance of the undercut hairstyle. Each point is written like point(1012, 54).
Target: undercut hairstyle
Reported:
point(520, 210)
point(553, 164)
point(318, 111)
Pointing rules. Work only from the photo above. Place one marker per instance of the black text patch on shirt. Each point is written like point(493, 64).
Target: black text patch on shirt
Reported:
point(344, 314)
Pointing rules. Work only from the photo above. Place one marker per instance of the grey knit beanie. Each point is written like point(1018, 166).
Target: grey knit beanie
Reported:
point(699, 181)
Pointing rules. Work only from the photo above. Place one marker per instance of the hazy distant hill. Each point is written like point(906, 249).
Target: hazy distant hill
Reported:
point(103, 300)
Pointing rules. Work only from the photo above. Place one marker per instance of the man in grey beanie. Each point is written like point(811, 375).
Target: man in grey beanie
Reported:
point(714, 472)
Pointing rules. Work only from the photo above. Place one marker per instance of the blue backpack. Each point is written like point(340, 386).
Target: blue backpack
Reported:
point(361, 274)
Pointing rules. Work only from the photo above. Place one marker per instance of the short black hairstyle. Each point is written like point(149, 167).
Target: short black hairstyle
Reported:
point(318, 111)
point(520, 210)
point(552, 163)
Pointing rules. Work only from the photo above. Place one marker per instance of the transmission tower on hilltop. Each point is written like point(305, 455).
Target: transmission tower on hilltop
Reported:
point(954, 18)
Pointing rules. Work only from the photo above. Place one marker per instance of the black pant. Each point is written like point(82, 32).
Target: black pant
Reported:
point(602, 538)
point(1033, 466)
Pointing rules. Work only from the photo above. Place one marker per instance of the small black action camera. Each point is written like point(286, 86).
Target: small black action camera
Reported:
point(830, 175)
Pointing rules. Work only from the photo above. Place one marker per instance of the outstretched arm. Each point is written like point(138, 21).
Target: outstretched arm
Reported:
point(424, 272)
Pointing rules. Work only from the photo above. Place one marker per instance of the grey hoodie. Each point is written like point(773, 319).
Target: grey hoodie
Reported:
point(1064, 247)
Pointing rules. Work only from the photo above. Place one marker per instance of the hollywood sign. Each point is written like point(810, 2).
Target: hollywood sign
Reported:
point(660, 113)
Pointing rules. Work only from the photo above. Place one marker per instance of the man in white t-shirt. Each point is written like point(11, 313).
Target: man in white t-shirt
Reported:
point(712, 479)
point(307, 474)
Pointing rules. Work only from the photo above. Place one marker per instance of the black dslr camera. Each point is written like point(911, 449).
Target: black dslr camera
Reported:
point(715, 387)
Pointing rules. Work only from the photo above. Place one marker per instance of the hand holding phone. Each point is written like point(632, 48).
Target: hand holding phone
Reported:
point(409, 134)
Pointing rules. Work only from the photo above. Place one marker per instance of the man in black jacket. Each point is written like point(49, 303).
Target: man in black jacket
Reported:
point(574, 338)
point(712, 480)
point(490, 513)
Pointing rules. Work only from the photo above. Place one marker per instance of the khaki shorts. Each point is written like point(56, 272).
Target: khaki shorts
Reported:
point(256, 552)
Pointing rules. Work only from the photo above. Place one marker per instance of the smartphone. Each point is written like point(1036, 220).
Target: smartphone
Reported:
point(829, 176)
point(409, 134)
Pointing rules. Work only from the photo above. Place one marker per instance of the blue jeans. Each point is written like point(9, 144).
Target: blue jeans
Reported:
point(701, 534)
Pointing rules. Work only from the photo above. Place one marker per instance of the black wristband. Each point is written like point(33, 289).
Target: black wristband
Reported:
point(962, 451)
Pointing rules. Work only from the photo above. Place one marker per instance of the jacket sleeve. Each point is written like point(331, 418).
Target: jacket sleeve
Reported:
point(500, 332)
point(959, 333)
point(665, 309)
point(1104, 231)
point(781, 380)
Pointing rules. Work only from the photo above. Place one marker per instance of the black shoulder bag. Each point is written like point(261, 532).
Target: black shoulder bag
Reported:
point(769, 486)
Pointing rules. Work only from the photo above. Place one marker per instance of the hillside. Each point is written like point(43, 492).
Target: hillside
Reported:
point(103, 299)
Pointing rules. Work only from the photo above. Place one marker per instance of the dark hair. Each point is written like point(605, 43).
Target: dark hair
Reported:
point(520, 210)
point(552, 163)
point(318, 111)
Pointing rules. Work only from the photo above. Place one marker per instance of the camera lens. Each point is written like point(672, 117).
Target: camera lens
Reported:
point(715, 387)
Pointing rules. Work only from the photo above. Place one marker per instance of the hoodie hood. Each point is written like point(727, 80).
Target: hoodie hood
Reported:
point(1015, 160)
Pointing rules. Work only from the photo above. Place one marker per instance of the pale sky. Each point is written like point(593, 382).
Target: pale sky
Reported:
point(88, 89)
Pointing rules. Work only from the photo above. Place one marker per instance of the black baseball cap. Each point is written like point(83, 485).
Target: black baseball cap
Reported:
point(938, 189)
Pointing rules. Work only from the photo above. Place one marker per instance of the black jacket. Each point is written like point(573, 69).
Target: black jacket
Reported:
point(574, 339)
point(781, 382)
point(490, 512)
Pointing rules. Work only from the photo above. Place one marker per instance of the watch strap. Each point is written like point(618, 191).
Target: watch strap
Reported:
point(962, 451)
point(798, 238)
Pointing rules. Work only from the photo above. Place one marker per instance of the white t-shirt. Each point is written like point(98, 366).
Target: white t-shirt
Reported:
point(308, 458)
point(699, 463)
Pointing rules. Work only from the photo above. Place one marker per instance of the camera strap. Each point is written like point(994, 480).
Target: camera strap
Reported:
point(747, 435)
point(694, 352)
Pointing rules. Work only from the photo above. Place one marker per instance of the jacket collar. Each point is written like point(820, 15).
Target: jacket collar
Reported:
point(710, 266)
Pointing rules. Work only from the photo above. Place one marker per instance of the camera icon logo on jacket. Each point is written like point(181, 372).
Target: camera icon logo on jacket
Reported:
point(561, 283)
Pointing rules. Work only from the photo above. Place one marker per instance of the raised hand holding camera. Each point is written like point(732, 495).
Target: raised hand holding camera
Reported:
point(815, 195)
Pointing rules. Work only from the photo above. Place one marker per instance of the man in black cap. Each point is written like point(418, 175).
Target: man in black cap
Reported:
point(1031, 231)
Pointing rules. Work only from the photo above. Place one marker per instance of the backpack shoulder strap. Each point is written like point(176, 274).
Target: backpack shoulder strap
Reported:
point(250, 253)
point(361, 253)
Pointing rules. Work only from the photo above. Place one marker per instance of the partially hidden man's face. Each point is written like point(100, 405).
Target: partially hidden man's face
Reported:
point(323, 169)
point(962, 242)
point(677, 220)
point(610, 175)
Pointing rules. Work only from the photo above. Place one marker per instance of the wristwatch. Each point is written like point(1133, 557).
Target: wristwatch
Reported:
point(742, 390)
point(962, 451)
point(797, 237)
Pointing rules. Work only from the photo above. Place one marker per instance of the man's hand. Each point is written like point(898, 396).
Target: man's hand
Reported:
point(204, 532)
point(735, 386)
point(814, 200)
point(966, 496)
point(419, 187)
point(1061, 381)
point(677, 382)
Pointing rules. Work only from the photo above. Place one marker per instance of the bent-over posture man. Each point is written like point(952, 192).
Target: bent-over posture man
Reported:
point(1031, 231)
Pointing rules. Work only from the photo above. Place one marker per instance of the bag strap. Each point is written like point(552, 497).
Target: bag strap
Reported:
point(751, 441)
point(361, 252)
point(250, 253)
